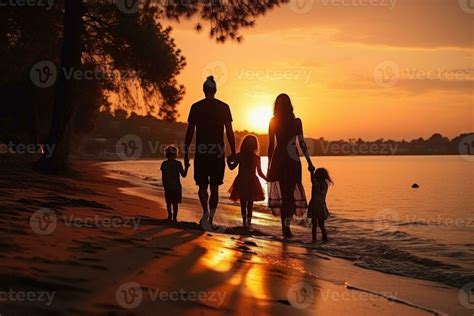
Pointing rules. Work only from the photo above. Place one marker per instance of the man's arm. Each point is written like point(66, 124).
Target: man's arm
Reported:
point(232, 162)
point(230, 136)
point(187, 142)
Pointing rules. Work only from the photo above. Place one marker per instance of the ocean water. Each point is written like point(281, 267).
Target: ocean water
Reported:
point(378, 220)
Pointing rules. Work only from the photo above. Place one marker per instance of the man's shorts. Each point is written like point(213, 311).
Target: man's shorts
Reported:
point(209, 169)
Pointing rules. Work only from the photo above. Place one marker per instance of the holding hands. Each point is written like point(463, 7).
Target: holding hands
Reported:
point(186, 161)
point(232, 162)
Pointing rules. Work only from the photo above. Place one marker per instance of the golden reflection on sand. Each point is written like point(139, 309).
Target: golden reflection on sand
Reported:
point(254, 281)
point(219, 259)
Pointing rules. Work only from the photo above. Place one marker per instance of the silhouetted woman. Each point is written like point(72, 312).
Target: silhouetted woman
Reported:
point(286, 196)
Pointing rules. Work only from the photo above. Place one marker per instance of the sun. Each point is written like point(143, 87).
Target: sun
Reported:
point(259, 117)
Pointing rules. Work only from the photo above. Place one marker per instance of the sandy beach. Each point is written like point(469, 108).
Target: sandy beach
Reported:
point(96, 243)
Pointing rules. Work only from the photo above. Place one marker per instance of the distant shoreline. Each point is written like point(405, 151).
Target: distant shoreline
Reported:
point(79, 158)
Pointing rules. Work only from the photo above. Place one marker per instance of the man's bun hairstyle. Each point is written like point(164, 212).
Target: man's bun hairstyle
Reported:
point(210, 85)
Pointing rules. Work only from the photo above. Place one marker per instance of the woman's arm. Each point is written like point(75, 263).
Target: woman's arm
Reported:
point(271, 142)
point(259, 170)
point(304, 147)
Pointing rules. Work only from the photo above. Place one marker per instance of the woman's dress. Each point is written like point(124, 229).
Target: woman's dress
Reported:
point(317, 206)
point(286, 195)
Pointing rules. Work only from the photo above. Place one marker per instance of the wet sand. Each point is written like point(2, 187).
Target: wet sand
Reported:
point(97, 243)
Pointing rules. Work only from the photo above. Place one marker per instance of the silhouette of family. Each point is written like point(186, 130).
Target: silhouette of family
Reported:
point(210, 119)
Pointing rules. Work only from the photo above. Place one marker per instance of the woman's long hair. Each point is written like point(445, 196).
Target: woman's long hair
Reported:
point(283, 110)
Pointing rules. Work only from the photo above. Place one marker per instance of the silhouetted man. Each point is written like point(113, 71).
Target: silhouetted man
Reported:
point(209, 117)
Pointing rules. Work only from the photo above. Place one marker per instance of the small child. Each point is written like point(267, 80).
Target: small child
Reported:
point(317, 210)
point(171, 170)
point(246, 187)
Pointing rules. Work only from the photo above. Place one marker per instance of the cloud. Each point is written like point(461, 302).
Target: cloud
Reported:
point(412, 86)
point(437, 85)
point(414, 81)
point(409, 23)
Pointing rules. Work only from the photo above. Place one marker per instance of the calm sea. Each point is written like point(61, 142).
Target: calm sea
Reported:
point(378, 220)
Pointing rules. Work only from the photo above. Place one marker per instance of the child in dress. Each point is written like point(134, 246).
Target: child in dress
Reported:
point(246, 187)
point(171, 170)
point(317, 210)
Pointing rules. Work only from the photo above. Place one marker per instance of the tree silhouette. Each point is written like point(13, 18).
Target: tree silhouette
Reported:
point(128, 36)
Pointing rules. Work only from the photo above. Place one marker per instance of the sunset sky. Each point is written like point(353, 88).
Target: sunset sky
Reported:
point(353, 68)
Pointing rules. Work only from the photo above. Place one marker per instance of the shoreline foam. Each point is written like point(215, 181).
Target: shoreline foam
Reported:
point(382, 251)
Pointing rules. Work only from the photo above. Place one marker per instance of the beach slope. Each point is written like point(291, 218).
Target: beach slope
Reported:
point(95, 244)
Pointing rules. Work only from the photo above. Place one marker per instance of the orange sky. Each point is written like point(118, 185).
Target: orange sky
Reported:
point(393, 69)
